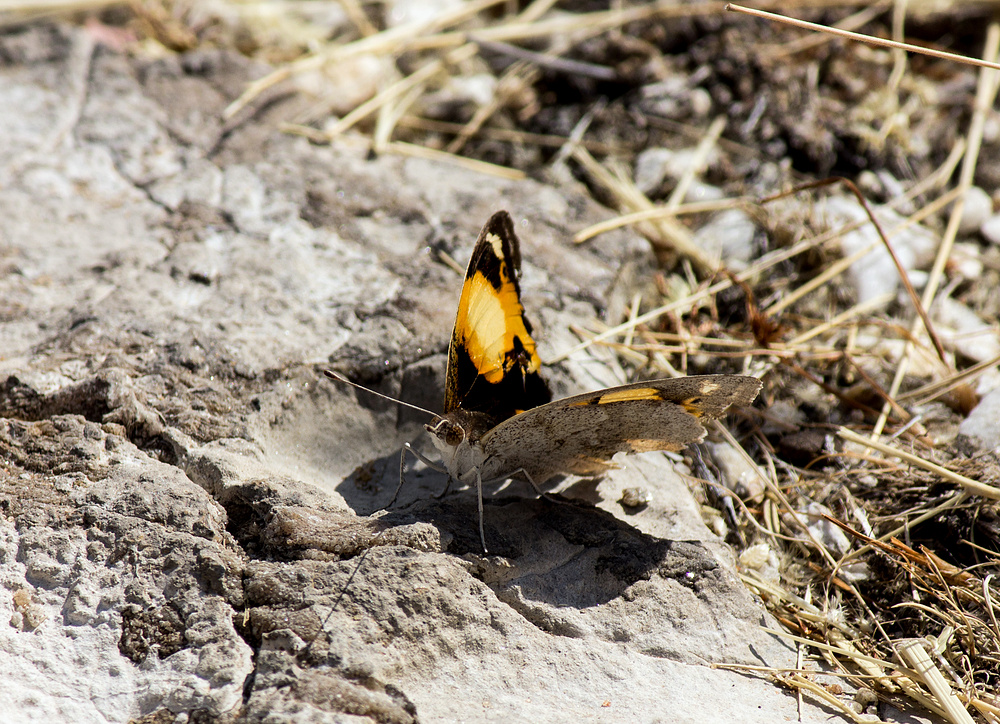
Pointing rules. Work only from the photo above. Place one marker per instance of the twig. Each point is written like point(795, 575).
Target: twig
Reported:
point(519, 74)
point(698, 161)
point(503, 134)
point(970, 485)
point(861, 38)
point(660, 212)
point(548, 61)
point(807, 42)
point(665, 232)
point(409, 149)
point(397, 38)
point(398, 89)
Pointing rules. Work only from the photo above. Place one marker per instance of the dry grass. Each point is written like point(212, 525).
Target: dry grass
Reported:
point(829, 544)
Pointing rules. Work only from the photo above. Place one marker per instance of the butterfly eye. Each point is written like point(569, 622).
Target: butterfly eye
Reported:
point(453, 434)
point(448, 430)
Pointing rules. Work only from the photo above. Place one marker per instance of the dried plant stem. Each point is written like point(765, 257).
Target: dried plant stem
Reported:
point(970, 485)
point(536, 10)
point(560, 25)
point(775, 491)
point(698, 162)
point(17, 12)
point(502, 134)
point(643, 318)
point(856, 311)
point(940, 176)
point(807, 42)
point(633, 312)
point(519, 74)
point(853, 655)
point(399, 88)
point(409, 149)
point(801, 683)
point(763, 264)
point(953, 502)
point(388, 41)
point(659, 212)
point(831, 272)
point(807, 611)
point(859, 37)
point(841, 265)
point(915, 656)
point(933, 390)
point(389, 114)
point(664, 232)
point(548, 60)
point(354, 12)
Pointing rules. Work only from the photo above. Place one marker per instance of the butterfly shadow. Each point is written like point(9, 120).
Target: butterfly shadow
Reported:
point(549, 550)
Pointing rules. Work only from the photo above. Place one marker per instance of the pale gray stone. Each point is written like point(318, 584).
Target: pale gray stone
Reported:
point(729, 236)
point(982, 426)
point(977, 209)
point(875, 274)
point(990, 229)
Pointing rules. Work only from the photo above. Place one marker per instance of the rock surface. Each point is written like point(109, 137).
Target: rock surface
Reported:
point(189, 511)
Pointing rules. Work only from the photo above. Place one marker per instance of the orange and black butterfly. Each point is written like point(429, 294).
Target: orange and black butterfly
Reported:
point(498, 422)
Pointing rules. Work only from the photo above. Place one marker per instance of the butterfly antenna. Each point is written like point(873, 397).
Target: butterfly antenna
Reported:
point(340, 378)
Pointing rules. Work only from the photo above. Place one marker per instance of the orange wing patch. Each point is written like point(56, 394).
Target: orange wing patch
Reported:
point(693, 406)
point(626, 395)
point(490, 324)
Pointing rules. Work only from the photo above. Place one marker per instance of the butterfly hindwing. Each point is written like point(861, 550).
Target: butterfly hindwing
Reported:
point(581, 434)
point(493, 367)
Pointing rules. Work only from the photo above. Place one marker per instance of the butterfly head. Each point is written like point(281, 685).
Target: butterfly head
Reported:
point(460, 426)
point(456, 436)
point(446, 430)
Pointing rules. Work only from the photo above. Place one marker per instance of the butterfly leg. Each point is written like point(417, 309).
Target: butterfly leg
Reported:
point(479, 489)
point(447, 487)
point(429, 463)
point(527, 476)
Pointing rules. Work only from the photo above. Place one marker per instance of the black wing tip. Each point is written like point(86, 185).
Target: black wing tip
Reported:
point(499, 218)
point(502, 225)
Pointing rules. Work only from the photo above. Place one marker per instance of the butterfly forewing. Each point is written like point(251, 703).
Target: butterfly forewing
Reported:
point(492, 363)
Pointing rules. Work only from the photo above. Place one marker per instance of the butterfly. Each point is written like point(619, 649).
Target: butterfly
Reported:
point(499, 420)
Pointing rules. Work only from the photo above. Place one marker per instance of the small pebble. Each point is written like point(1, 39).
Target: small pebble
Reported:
point(636, 497)
point(991, 129)
point(651, 167)
point(875, 274)
point(729, 235)
point(962, 329)
point(701, 102)
point(982, 426)
point(966, 259)
point(978, 207)
point(735, 473)
point(699, 191)
point(990, 229)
